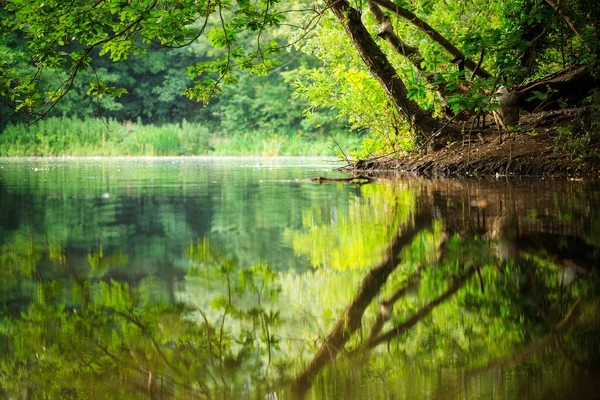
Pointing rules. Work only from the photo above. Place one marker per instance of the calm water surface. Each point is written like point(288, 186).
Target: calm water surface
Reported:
point(241, 278)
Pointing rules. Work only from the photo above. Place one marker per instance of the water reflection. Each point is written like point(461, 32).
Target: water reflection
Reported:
point(218, 279)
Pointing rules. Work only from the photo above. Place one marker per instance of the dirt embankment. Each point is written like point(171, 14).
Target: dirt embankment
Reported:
point(532, 152)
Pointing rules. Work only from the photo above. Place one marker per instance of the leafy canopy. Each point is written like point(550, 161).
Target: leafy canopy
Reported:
point(66, 35)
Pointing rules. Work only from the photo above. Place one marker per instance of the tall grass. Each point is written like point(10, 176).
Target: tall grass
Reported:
point(94, 137)
point(85, 137)
point(271, 144)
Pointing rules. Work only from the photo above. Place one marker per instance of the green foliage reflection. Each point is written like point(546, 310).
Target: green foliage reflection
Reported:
point(413, 292)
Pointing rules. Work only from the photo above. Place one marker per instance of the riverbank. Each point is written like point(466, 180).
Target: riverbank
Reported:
point(60, 137)
point(557, 149)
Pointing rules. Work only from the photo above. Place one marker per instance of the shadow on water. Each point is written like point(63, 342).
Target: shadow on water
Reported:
point(225, 281)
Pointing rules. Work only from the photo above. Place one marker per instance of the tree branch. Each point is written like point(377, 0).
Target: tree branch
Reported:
point(564, 11)
point(412, 53)
point(418, 119)
point(433, 34)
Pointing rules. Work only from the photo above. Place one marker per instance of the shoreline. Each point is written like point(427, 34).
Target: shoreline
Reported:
point(525, 156)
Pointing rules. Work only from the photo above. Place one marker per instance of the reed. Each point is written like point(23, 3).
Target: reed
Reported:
point(64, 136)
point(299, 144)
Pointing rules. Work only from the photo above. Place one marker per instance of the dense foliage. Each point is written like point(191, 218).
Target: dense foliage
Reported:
point(258, 116)
point(130, 60)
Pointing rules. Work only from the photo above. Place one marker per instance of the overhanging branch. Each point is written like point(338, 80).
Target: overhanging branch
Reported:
point(410, 52)
point(433, 34)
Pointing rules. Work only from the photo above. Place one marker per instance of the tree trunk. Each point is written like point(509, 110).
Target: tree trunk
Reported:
point(419, 120)
point(410, 52)
point(569, 85)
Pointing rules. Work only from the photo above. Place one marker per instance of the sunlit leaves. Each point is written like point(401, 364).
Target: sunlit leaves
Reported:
point(479, 99)
point(100, 89)
point(344, 84)
point(221, 37)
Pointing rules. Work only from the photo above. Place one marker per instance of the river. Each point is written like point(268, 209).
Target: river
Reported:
point(242, 278)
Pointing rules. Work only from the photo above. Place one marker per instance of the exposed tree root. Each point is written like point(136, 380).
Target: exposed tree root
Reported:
point(532, 152)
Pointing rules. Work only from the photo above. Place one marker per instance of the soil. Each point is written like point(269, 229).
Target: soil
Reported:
point(532, 151)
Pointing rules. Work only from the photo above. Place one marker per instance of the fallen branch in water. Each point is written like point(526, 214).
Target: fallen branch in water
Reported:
point(353, 179)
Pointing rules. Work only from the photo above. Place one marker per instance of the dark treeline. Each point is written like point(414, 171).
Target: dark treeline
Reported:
point(153, 86)
point(146, 93)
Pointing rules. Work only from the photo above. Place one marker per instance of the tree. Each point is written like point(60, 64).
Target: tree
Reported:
point(67, 36)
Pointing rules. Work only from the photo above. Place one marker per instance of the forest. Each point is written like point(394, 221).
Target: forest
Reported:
point(397, 78)
point(261, 115)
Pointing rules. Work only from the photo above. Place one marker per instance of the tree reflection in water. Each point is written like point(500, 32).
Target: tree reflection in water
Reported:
point(422, 290)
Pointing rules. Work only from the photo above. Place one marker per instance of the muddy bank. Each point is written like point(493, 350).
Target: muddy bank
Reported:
point(531, 152)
